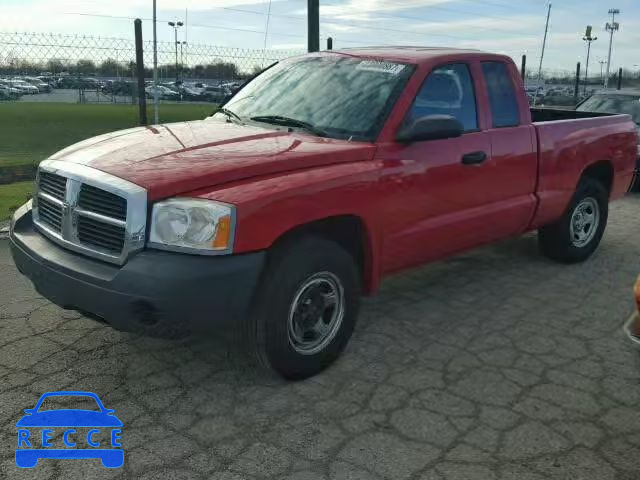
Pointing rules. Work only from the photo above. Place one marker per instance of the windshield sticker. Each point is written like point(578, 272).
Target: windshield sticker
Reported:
point(384, 67)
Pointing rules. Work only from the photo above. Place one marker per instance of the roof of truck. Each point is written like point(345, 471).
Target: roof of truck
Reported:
point(406, 53)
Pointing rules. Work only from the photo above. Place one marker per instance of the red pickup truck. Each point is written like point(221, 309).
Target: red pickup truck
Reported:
point(319, 177)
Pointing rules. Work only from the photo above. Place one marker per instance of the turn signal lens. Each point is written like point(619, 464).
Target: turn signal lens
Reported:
point(223, 233)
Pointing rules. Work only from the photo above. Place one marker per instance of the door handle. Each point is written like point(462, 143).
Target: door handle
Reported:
point(474, 158)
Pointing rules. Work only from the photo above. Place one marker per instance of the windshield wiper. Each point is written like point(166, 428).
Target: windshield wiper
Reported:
point(290, 122)
point(231, 115)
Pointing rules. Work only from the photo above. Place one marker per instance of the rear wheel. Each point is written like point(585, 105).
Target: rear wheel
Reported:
point(306, 307)
point(578, 233)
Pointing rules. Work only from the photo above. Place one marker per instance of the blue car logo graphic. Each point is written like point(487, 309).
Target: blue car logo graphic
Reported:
point(34, 444)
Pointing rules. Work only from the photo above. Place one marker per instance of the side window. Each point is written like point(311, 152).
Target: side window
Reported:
point(502, 95)
point(448, 90)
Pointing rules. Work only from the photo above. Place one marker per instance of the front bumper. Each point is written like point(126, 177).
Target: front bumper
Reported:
point(156, 293)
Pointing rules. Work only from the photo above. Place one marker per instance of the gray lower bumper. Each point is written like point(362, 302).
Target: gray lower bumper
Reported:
point(156, 293)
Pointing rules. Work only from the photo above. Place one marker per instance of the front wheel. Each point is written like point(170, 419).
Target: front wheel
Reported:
point(306, 307)
point(578, 233)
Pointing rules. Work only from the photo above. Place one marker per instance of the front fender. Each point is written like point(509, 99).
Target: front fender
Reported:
point(270, 207)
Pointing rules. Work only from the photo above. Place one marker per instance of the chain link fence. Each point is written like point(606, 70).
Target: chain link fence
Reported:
point(80, 68)
point(564, 88)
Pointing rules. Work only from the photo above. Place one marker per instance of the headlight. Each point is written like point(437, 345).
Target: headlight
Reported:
point(193, 225)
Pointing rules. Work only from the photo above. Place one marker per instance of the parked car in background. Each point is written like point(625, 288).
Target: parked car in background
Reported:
point(216, 94)
point(617, 101)
point(633, 325)
point(191, 93)
point(39, 84)
point(558, 97)
point(233, 87)
point(23, 86)
point(10, 91)
point(534, 94)
point(5, 95)
point(324, 174)
point(90, 83)
point(84, 83)
point(174, 86)
point(164, 93)
point(65, 82)
point(120, 87)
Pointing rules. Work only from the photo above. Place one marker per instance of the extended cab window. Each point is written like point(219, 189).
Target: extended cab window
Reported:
point(502, 95)
point(448, 90)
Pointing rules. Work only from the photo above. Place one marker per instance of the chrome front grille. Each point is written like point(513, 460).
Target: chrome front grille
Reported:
point(50, 213)
point(100, 235)
point(52, 184)
point(89, 211)
point(102, 202)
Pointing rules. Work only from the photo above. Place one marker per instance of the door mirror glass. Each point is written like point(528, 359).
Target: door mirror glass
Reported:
point(432, 127)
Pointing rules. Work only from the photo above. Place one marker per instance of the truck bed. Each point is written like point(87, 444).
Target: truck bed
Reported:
point(553, 115)
point(569, 141)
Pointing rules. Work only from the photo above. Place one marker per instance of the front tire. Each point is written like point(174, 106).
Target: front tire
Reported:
point(576, 236)
point(306, 307)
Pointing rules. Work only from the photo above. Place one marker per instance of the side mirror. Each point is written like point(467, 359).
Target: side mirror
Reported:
point(432, 127)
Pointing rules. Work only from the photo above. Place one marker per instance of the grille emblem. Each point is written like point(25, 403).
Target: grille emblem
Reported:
point(69, 215)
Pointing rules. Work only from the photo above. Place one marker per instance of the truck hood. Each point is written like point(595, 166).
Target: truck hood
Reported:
point(176, 158)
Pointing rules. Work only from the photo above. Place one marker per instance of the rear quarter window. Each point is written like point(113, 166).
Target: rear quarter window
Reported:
point(502, 95)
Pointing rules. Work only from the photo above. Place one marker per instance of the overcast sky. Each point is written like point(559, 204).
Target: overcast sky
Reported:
point(512, 27)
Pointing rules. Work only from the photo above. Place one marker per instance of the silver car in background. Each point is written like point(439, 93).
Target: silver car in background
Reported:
point(617, 101)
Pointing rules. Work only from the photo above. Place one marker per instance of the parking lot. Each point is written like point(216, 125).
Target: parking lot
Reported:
point(496, 364)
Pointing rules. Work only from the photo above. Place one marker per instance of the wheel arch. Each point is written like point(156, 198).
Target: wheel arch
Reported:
point(601, 171)
point(351, 233)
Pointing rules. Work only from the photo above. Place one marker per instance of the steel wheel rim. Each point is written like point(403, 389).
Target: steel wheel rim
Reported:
point(584, 223)
point(316, 313)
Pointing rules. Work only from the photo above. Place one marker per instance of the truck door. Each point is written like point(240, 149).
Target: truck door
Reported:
point(452, 197)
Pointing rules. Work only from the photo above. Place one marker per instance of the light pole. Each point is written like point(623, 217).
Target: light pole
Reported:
point(588, 38)
point(602, 63)
point(155, 67)
point(181, 58)
point(175, 26)
point(544, 44)
point(611, 28)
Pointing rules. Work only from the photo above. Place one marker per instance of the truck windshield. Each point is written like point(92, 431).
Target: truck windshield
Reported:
point(613, 103)
point(343, 97)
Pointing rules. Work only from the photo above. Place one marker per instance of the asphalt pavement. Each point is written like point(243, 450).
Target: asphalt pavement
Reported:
point(494, 365)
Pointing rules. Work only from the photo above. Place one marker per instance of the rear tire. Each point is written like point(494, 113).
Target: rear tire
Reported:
point(578, 233)
point(305, 309)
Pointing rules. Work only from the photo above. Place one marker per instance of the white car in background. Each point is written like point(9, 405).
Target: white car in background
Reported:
point(163, 92)
point(5, 86)
point(39, 84)
point(23, 86)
